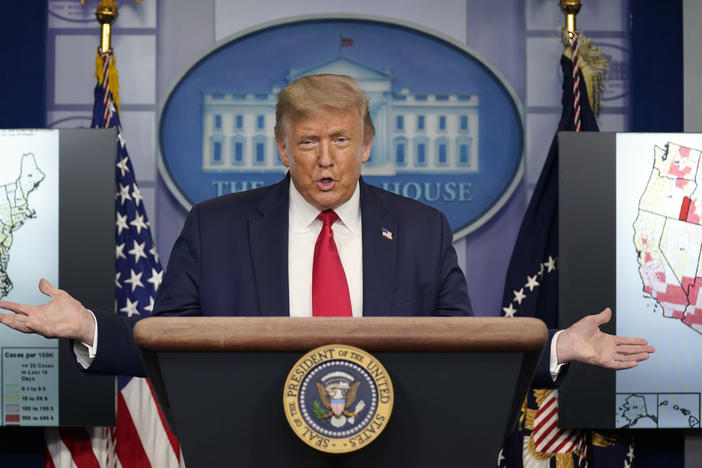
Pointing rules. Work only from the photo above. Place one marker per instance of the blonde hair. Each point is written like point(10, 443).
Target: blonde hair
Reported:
point(317, 93)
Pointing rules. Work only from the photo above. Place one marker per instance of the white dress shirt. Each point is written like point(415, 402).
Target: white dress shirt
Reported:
point(303, 230)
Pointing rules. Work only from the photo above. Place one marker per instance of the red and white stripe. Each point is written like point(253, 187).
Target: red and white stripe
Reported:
point(142, 436)
point(582, 451)
point(107, 58)
point(337, 407)
point(576, 81)
point(140, 439)
point(547, 436)
point(79, 447)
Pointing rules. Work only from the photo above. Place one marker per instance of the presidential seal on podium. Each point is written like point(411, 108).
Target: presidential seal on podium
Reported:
point(338, 398)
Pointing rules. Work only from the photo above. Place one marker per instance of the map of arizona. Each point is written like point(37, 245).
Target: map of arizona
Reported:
point(668, 234)
point(14, 211)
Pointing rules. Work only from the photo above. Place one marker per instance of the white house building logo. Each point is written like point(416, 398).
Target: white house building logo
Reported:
point(416, 132)
point(448, 129)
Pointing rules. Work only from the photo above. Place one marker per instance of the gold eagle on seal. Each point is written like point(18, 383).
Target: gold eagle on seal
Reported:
point(337, 403)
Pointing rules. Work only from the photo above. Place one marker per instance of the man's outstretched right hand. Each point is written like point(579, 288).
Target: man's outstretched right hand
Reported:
point(61, 317)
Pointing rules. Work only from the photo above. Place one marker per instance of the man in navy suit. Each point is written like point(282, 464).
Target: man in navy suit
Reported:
point(251, 253)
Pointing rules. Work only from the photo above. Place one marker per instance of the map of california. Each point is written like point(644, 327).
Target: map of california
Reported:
point(14, 211)
point(668, 234)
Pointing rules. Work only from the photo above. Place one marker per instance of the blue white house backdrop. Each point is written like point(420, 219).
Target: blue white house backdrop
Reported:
point(449, 130)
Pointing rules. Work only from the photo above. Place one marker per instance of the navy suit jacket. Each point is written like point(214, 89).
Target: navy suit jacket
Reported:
point(232, 259)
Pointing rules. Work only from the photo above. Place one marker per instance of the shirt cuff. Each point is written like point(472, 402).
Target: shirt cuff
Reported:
point(85, 353)
point(554, 366)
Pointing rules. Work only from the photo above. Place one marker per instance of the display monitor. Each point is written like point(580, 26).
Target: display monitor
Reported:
point(630, 218)
point(56, 222)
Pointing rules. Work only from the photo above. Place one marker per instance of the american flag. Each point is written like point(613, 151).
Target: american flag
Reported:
point(141, 437)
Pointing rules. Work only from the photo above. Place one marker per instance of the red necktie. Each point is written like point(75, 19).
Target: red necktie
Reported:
point(330, 291)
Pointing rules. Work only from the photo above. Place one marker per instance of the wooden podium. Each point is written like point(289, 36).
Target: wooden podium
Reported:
point(459, 385)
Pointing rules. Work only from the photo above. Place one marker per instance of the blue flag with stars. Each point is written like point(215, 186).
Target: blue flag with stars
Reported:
point(531, 286)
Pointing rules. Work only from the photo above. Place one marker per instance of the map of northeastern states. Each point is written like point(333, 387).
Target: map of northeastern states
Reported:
point(14, 211)
point(668, 234)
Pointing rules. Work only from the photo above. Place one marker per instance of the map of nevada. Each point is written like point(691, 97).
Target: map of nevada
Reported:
point(14, 211)
point(668, 234)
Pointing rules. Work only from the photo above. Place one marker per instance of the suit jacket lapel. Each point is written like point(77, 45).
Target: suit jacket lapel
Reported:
point(378, 254)
point(268, 238)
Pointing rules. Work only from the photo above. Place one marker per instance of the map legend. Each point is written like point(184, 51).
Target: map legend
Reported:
point(30, 386)
point(11, 401)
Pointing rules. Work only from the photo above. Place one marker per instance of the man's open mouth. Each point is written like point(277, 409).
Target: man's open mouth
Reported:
point(325, 183)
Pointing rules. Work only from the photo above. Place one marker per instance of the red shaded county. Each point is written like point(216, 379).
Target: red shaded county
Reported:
point(693, 314)
point(684, 151)
point(647, 257)
point(687, 283)
point(693, 317)
point(684, 208)
point(692, 213)
point(674, 295)
point(681, 183)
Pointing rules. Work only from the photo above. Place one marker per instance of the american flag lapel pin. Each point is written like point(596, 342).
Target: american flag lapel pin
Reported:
point(386, 234)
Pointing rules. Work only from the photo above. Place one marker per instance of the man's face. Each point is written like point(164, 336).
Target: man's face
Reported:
point(324, 153)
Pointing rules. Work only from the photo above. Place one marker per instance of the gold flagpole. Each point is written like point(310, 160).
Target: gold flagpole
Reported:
point(570, 9)
point(106, 13)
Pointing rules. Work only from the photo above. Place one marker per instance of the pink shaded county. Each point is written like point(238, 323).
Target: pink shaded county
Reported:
point(693, 316)
point(673, 301)
point(671, 297)
point(675, 165)
point(681, 183)
point(693, 214)
point(653, 274)
point(693, 312)
point(687, 284)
